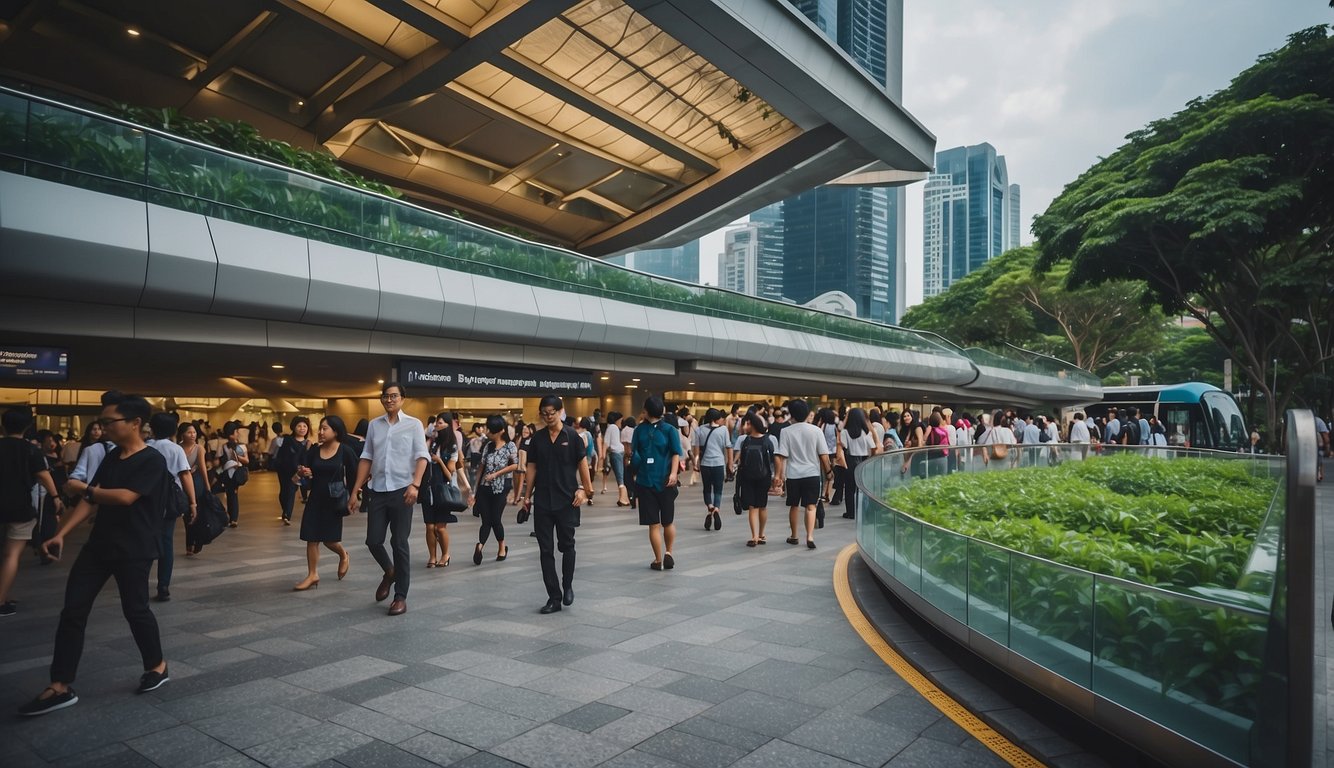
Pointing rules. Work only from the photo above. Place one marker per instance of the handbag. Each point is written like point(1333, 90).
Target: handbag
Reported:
point(447, 497)
point(338, 494)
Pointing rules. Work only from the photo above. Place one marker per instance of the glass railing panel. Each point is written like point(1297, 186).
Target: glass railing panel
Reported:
point(1051, 617)
point(989, 591)
point(1191, 666)
point(13, 132)
point(945, 571)
point(908, 551)
point(85, 151)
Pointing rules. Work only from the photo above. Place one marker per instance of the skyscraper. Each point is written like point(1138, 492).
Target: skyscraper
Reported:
point(680, 263)
point(769, 251)
point(737, 262)
point(970, 214)
point(851, 239)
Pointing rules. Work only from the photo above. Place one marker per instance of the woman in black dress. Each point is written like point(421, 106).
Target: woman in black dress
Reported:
point(444, 450)
point(327, 465)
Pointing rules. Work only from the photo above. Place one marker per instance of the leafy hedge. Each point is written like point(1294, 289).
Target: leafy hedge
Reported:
point(1173, 523)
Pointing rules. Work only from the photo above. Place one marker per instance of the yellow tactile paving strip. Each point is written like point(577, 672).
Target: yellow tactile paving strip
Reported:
point(1003, 747)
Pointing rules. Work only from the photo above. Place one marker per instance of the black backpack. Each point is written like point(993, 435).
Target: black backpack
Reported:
point(755, 458)
point(1044, 436)
point(288, 456)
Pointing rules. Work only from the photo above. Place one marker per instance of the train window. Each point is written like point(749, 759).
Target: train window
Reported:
point(1177, 423)
point(1226, 425)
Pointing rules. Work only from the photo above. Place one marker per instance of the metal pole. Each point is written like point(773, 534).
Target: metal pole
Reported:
point(1299, 535)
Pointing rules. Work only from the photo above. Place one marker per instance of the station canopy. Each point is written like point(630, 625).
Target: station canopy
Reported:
point(602, 125)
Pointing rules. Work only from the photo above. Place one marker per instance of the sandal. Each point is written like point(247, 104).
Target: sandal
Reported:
point(444, 564)
point(655, 565)
point(430, 563)
point(750, 543)
point(793, 540)
point(761, 541)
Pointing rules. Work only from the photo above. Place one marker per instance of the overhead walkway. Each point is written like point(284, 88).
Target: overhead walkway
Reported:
point(110, 230)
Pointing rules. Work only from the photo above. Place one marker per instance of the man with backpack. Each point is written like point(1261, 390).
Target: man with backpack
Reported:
point(21, 467)
point(656, 453)
point(754, 470)
point(181, 499)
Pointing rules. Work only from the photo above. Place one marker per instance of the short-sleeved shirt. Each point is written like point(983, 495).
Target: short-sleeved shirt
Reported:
point(393, 451)
point(802, 444)
point(20, 461)
point(1079, 432)
point(495, 459)
point(557, 463)
point(131, 532)
point(654, 444)
point(862, 446)
point(712, 442)
point(175, 458)
point(89, 460)
point(611, 438)
point(627, 437)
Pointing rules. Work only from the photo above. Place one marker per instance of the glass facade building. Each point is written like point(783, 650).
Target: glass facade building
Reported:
point(851, 239)
point(679, 263)
point(970, 214)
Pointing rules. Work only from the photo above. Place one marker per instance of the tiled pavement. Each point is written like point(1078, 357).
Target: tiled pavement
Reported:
point(737, 657)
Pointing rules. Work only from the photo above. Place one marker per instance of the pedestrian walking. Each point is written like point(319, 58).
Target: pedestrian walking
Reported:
point(557, 482)
point(656, 450)
point(328, 467)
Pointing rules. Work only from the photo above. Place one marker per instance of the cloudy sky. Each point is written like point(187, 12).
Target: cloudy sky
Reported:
point(1055, 84)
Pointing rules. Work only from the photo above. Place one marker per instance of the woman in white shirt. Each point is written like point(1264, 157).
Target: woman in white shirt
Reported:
point(998, 438)
point(856, 442)
point(613, 456)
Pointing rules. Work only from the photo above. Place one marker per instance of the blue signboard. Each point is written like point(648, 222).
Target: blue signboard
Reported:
point(34, 363)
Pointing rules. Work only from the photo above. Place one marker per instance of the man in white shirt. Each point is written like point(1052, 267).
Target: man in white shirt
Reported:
point(164, 428)
point(1080, 437)
point(802, 460)
point(392, 464)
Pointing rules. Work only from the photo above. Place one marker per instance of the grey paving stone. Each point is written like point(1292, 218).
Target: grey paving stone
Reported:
point(230, 698)
point(590, 716)
point(307, 748)
point(702, 688)
point(853, 738)
point(928, 753)
point(762, 713)
point(105, 726)
point(905, 710)
point(778, 678)
point(485, 760)
point(668, 706)
point(365, 690)
point(249, 727)
point(111, 756)
point(180, 746)
point(617, 665)
point(691, 750)
point(633, 758)
point(575, 685)
point(557, 747)
point(531, 705)
point(318, 705)
point(722, 733)
point(341, 673)
point(279, 646)
point(781, 754)
point(378, 754)
point(436, 749)
point(632, 729)
point(412, 705)
point(477, 726)
point(376, 725)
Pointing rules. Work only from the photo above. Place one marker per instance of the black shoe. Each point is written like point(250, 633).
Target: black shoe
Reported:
point(40, 706)
point(849, 516)
point(477, 555)
point(8, 608)
point(668, 562)
point(810, 544)
point(551, 607)
point(151, 681)
point(708, 521)
point(163, 596)
point(717, 521)
point(532, 533)
point(569, 596)
point(655, 566)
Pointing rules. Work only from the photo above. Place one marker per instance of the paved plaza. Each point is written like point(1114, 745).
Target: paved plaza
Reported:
point(737, 657)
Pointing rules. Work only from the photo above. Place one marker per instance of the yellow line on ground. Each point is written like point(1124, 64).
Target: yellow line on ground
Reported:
point(1003, 747)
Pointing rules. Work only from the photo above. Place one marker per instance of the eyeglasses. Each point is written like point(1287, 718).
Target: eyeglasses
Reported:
point(391, 397)
point(104, 423)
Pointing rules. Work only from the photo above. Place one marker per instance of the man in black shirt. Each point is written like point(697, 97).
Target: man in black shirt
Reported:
point(21, 466)
point(558, 483)
point(129, 494)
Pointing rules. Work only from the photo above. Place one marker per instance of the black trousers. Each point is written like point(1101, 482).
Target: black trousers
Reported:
point(849, 487)
point(386, 510)
point(558, 525)
point(286, 495)
point(86, 578)
point(490, 507)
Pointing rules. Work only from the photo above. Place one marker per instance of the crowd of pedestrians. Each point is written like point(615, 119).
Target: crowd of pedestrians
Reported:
point(388, 466)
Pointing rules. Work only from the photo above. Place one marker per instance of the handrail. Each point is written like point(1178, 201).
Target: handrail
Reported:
point(860, 330)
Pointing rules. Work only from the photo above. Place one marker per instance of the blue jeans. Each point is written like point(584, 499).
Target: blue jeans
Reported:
point(617, 462)
point(713, 485)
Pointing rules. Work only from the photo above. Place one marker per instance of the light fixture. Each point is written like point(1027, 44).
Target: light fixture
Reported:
point(300, 103)
point(282, 381)
point(690, 383)
point(278, 366)
point(604, 378)
point(379, 381)
point(632, 386)
point(634, 379)
point(132, 32)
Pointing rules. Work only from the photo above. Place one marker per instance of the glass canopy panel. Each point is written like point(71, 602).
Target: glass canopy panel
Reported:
point(466, 12)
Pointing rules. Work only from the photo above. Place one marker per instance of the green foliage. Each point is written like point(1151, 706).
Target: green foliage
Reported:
point(1226, 211)
point(1172, 523)
point(1008, 300)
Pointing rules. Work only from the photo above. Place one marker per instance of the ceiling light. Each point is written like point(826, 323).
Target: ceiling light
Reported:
point(300, 103)
point(282, 381)
point(632, 386)
point(634, 379)
point(132, 32)
point(690, 383)
point(277, 366)
point(604, 378)
point(379, 381)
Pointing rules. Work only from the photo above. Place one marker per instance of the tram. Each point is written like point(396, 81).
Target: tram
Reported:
point(1193, 414)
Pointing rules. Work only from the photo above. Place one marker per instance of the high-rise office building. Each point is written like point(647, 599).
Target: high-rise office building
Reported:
point(769, 251)
point(970, 214)
point(737, 263)
point(679, 263)
point(851, 239)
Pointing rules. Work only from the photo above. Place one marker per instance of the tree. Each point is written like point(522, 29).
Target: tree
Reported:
point(1226, 211)
point(1100, 329)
